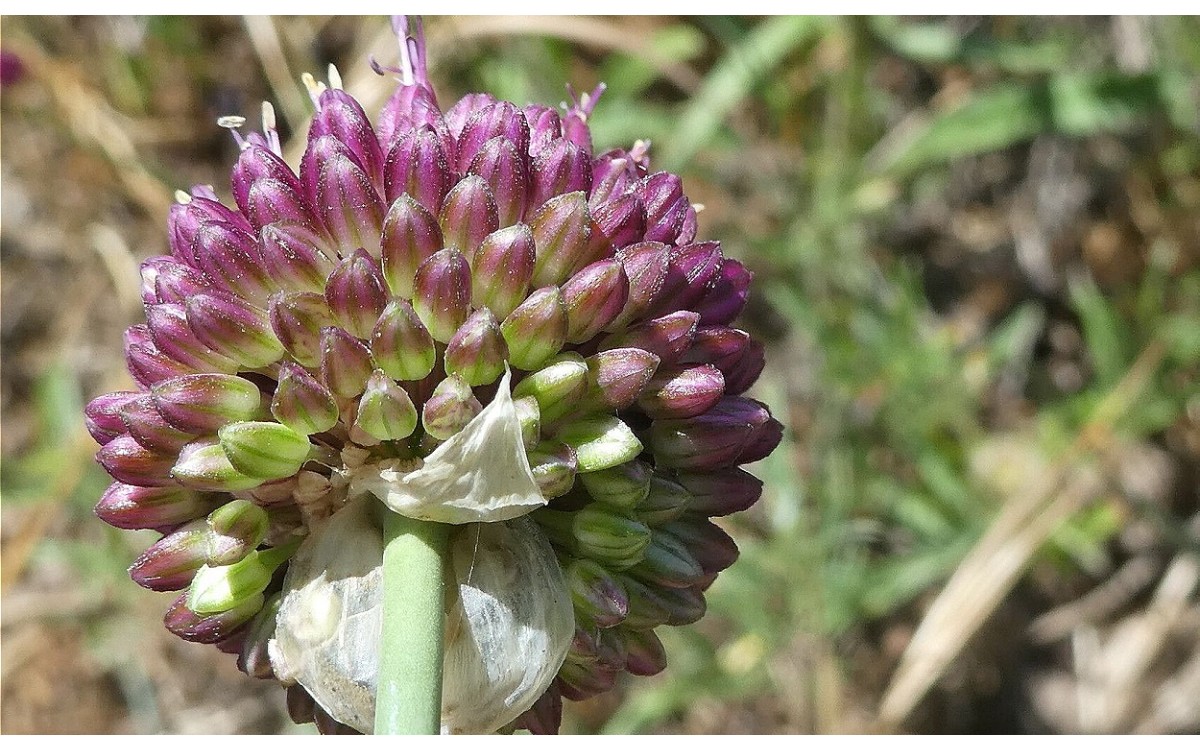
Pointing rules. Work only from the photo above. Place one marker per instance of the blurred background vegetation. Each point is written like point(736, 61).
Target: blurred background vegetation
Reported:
point(977, 249)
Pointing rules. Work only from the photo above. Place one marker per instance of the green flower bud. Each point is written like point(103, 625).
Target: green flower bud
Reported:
point(601, 442)
point(267, 450)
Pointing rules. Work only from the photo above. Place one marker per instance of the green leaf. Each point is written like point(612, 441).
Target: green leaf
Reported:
point(735, 76)
point(1090, 103)
point(1102, 331)
point(986, 121)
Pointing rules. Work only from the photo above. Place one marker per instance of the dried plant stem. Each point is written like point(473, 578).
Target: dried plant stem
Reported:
point(409, 697)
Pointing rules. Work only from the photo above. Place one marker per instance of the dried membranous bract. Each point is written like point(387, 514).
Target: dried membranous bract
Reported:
point(467, 316)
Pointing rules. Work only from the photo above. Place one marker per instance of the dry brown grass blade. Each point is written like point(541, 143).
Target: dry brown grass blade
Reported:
point(1119, 666)
point(93, 122)
point(264, 37)
point(996, 562)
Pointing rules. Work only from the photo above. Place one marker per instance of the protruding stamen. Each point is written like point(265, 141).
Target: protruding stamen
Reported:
point(232, 123)
point(411, 35)
point(269, 128)
point(335, 78)
point(315, 88)
point(182, 197)
point(583, 104)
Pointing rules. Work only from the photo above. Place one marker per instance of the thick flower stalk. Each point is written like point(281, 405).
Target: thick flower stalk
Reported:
point(465, 317)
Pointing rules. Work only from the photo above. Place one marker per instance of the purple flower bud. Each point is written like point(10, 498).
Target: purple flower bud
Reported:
point(102, 415)
point(234, 329)
point(562, 232)
point(341, 193)
point(345, 362)
point(594, 297)
point(417, 165)
point(624, 485)
point(544, 127)
point(727, 296)
point(468, 215)
point(537, 329)
point(692, 270)
point(477, 351)
point(148, 365)
point(502, 269)
point(622, 220)
point(274, 201)
point(712, 548)
point(128, 506)
point(546, 714)
point(500, 164)
point(230, 257)
point(581, 682)
point(596, 593)
point(615, 173)
point(559, 168)
point(460, 113)
point(170, 563)
point(174, 337)
point(553, 466)
point(742, 373)
point(341, 116)
point(254, 659)
point(401, 345)
point(442, 292)
point(259, 163)
point(297, 319)
point(148, 427)
point(385, 411)
point(499, 119)
point(644, 652)
point(356, 293)
point(295, 258)
point(766, 438)
point(202, 402)
point(128, 461)
point(302, 402)
point(715, 439)
point(646, 264)
point(682, 391)
point(203, 465)
point(264, 450)
point(235, 530)
point(411, 108)
point(721, 492)
point(211, 628)
point(450, 407)
point(617, 376)
point(738, 357)
point(410, 235)
point(172, 281)
point(667, 337)
point(667, 562)
point(666, 206)
point(557, 387)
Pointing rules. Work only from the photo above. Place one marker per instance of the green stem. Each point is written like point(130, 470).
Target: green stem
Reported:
point(409, 697)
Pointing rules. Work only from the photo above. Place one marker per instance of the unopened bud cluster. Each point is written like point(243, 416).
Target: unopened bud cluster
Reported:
point(364, 307)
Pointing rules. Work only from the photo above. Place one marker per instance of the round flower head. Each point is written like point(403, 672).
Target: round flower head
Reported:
point(463, 316)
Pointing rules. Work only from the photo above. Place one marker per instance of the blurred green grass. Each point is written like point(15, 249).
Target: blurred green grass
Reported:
point(965, 233)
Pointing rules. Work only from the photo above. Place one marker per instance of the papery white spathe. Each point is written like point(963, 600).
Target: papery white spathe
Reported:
point(507, 630)
point(481, 473)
